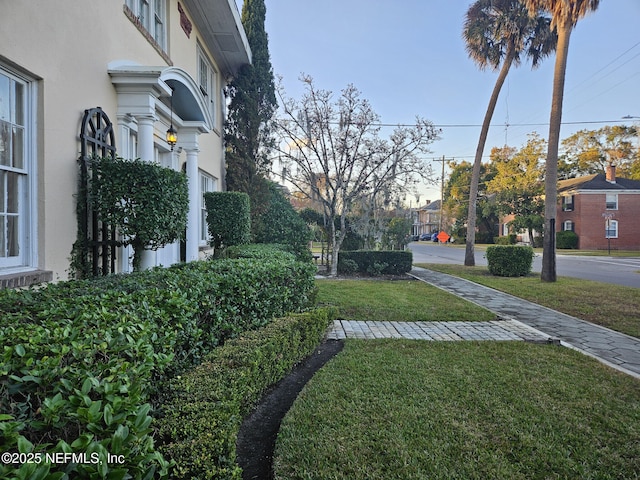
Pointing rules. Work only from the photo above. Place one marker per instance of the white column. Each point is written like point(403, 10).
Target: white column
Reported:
point(188, 140)
point(193, 218)
point(146, 152)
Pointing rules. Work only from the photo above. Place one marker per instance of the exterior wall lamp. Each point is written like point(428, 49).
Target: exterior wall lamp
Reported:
point(172, 134)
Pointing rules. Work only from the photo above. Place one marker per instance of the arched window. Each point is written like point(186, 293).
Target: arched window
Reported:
point(568, 226)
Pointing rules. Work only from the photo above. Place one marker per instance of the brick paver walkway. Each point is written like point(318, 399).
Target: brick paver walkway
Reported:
point(446, 331)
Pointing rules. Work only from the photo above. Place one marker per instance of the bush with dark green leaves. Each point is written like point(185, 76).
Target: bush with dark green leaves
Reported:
point(281, 224)
point(510, 239)
point(146, 202)
point(509, 260)
point(566, 240)
point(203, 409)
point(375, 262)
point(82, 361)
point(228, 219)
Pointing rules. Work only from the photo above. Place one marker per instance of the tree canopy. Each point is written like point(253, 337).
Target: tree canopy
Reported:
point(590, 151)
point(518, 184)
point(331, 150)
point(251, 107)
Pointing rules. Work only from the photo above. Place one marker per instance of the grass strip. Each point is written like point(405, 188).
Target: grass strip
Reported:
point(401, 409)
point(611, 306)
point(398, 300)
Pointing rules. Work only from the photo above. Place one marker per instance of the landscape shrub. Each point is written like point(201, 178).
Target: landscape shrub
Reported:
point(485, 237)
point(281, 223)
point(203, 409)
point(82, 360)
point(375, 262)
point(228, 219)
point(261, 251)
point(566, 240)
point(510, 239)
point(348, 266)
point(149, 216)
point(538, 241)
point(509, 260)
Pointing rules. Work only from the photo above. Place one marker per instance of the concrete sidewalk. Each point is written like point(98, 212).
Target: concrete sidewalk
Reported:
point(615, 349)
point(518, 320)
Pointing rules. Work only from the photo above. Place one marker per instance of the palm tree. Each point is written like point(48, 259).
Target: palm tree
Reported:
point(500, 32)
point(565, 14)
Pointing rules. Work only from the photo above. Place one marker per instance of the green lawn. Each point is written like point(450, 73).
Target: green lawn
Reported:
point(397, 300)
point(611, 306)
point(401, 409)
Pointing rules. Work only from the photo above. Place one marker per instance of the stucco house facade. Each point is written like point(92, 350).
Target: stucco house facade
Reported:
point(133, 67)
point(603, 210)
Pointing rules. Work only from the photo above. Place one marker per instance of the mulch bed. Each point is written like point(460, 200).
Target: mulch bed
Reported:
point(257, 435)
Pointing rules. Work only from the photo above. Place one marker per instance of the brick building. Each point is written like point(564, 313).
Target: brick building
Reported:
point(604, 211)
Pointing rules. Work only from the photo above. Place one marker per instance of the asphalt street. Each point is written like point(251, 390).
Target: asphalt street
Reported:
point(616, 270)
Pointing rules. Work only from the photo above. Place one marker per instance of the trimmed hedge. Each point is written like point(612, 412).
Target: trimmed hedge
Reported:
point(82, 361)
point(370, 262)
point(566, 239)
point(509, 260)
point(149, 216)
point(204, 408)
point(510, 239)
point(228, 218)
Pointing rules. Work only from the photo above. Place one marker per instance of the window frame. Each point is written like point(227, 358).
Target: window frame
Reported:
point(209, 84)
point(567, 206)
point(570, 224)
point(611, 205)
point(611, 226)
point(150, 15)
point(206, 183)
point(26, 181)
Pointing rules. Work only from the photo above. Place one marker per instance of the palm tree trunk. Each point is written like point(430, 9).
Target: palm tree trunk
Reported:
point(548, 273)
point(469, 256)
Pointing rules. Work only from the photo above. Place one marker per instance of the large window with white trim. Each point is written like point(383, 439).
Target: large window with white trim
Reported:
point(16, 222)
point(611, 229)
point(207, 184)
point(611, 201)
point(207, 81)
point(152, 17)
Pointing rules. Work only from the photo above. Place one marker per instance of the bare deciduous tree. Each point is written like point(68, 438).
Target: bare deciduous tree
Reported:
point(330, 149)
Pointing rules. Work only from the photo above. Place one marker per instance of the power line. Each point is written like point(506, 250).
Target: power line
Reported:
point(477, 125)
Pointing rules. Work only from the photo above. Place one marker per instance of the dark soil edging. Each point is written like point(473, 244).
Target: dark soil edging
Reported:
point(258, 432)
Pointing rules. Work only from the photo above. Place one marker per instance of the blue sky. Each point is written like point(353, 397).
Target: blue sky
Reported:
point(407, 57)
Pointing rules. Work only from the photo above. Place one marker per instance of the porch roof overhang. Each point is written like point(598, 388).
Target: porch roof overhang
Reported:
point(221, 27)
point(135, 82)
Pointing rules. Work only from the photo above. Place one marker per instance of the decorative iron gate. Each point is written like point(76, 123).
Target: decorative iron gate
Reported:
point(95, 249)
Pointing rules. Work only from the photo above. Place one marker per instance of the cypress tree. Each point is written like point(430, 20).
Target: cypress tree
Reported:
point(253, 103)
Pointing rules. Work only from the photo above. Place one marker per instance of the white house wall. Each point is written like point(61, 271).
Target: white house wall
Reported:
point(67, 47)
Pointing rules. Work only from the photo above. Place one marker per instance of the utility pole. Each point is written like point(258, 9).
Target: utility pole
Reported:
point(441, 193)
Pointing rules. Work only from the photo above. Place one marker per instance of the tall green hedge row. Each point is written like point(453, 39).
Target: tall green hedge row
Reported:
point(370, 262)
point(82, 361)
point(203, 409)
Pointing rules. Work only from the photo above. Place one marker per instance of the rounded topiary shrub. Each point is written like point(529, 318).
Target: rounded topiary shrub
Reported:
point(509, 260)
point(566, 240)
